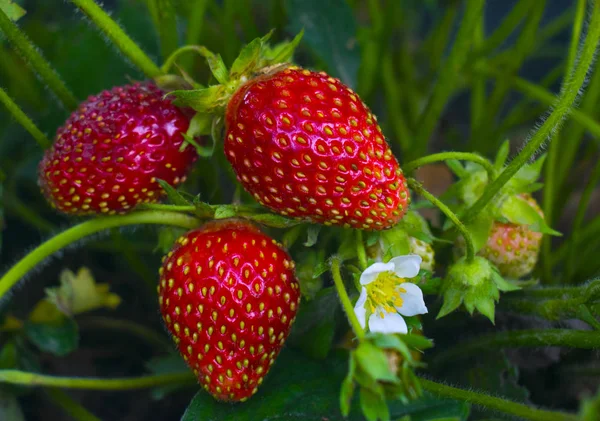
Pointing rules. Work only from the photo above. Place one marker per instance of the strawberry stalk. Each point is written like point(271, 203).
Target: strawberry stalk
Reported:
point(116, 34)
point(23, 120)
point(345, 299)
point(37, 62)
point(86, 229)
point(446, 156)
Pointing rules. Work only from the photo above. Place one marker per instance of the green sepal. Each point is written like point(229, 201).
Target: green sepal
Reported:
point(12, 10)
point(173, 195)
point(502, 155)
point(480, 228)
point(528, 174)
point(312, 235)
point(372, 360)
point(395, 242)
point(284, 51)
point(224, 212)
point(200, 124)
point(248, 59)
point(518, 211)
point(373, 404)
point(204, 100)
point(273, 220)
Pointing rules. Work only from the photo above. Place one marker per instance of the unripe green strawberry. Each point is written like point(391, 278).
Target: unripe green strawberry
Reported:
point(513, 248)
point(228, 295)
point(424, 250)
point(305, 145)
point(110, 152)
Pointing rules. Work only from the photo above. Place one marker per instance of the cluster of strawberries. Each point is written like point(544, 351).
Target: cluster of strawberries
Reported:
point(301, 142)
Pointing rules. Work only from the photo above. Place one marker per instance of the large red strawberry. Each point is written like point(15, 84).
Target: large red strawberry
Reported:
point(514, 248)
point(305, 145)
point(110, 152)
point(228, 296)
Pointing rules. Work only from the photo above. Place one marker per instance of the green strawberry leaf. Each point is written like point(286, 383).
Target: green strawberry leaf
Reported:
point(516, 210)
point(173, 195)
point(502, 155)
point(12, 10)
point(58, 339)
point(373, 405)
point(330, 32)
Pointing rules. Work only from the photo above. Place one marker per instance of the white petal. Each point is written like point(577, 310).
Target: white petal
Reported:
point(359, 307)
point(370, 273)
point(412, 300)
point(390, 323)
point(407, 266)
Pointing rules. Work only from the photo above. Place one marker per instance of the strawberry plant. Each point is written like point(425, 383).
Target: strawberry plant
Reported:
point(376, 210)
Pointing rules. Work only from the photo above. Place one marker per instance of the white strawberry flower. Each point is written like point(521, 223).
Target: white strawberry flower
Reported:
point(388, 296)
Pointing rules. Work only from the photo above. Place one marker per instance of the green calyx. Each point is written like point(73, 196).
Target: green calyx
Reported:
point(396, 241)
point(476, 285)
point(210, 102)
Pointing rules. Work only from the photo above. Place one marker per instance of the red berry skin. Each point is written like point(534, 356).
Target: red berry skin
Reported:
point(304, 144)
point(108, 155)
point(228, 296)
point(513, 248)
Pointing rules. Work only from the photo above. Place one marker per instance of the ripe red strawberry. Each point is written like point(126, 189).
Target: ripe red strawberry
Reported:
point(228, 295)
point(305, 145)
point(108, 155)
point(513, 248)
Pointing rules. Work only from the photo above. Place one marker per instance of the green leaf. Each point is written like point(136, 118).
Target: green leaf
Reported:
point(347, 389)
point(9, 407)
point(12, 10)
point(224, 212)
point(1, 213)
point(174, 196)
point(302, 389)
point(316, 320)
point(312, 235)
point(58, 339)
point(330, 32)
point(518, 211)
point(273, 220)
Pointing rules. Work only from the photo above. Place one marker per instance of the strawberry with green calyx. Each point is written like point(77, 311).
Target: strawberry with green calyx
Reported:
point(228, 296)
point(509, 230)
point(112, 152)
point(301, 142)
point(476, 285)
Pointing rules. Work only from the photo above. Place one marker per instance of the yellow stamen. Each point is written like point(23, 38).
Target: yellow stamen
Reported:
point(384, 294)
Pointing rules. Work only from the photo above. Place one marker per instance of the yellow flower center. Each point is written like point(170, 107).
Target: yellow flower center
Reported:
point(383, 294)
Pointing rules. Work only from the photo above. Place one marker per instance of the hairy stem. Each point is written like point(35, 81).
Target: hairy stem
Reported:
point(23, 120)
point(494, 403)
point(569, 94)
point(85, 229)
point(445, 156)
point(521, 338)
point(35, 59)
point(116, 34)
point(419, 189)
point(345, 300)
point(94, 383)
point(360, 250)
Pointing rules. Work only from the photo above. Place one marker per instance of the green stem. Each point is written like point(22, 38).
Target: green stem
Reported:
point(23, 120)
point(360, 250)
point(126, 326)
point(94, 383)
point(497, 404)
point(345, 300)
point(447, 78)
point(548, 130)
point(116, 34)
point(521, 338)
point(35, 59)
point(85, 229)
point(445, 156)
point(70, 406)
point(419, 189)
point(578, 220)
